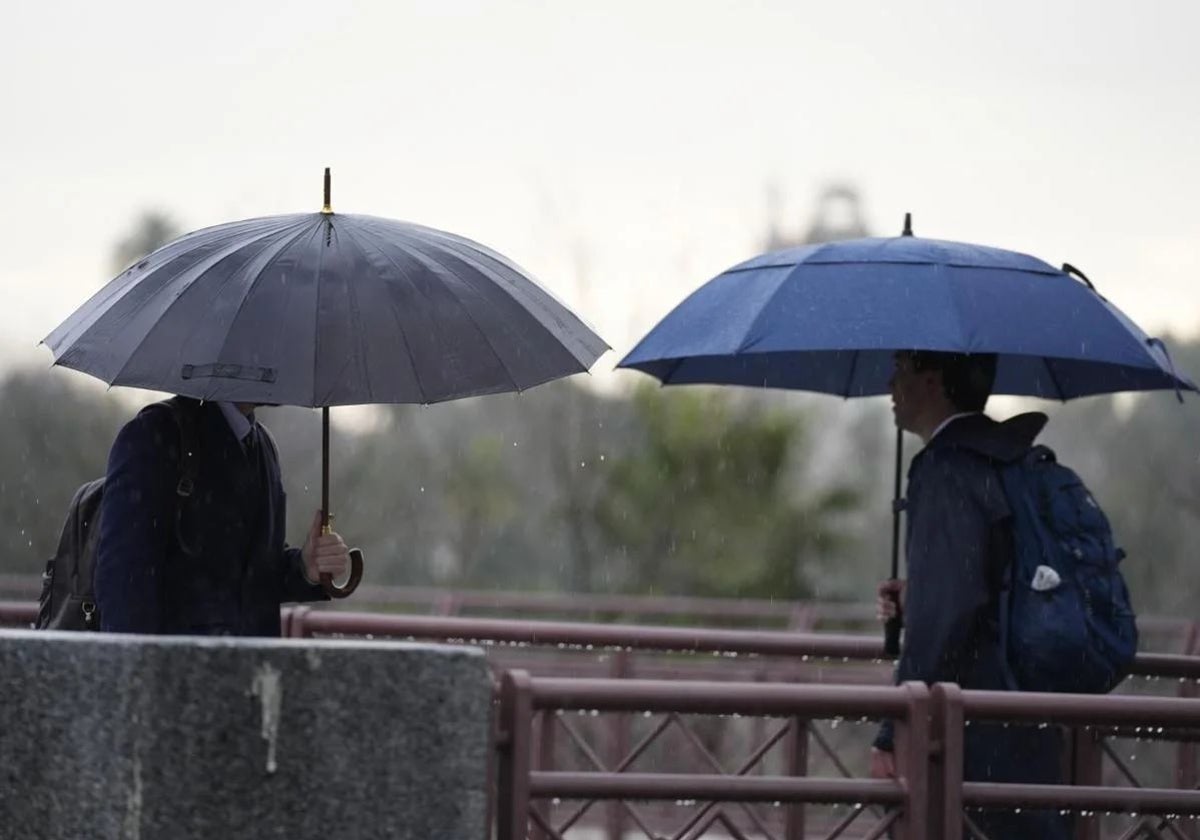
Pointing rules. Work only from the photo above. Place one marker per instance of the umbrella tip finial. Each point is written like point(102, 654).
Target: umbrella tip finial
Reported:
point(907, 225)
point(327, 209)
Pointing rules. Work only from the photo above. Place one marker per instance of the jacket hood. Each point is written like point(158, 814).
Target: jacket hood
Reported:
point(1003, 441)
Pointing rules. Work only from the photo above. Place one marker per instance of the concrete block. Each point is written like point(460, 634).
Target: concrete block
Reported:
point(142, 738)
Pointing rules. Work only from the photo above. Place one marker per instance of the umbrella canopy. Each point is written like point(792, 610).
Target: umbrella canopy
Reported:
point(829, 317)
point(325, 309)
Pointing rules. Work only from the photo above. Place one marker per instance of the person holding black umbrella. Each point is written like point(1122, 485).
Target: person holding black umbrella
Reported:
point(958, 544)
point(191, 540)
point(316, 310)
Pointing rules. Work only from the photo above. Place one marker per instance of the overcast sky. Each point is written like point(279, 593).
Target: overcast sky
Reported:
point(619, 150)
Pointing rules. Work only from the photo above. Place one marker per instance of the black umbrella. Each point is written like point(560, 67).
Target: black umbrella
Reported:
point(325, 309)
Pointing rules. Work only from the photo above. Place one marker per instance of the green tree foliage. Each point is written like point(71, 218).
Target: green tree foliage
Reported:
point(55, 434)
point(705, 503)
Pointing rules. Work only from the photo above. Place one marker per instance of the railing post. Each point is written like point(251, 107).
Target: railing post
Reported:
point(1186, 775)
point(1087, 764)
point(912, 762)
point(946, 763)
point(618, 744)
point(297, 628)
point(797, 765)
point(758, 726)
point(516, 725)
point(801, 618)
point(545, 754)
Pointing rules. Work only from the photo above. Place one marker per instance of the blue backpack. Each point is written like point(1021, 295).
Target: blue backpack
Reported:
point(1066, 621)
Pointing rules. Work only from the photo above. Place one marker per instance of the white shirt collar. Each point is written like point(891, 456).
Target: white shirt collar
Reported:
point(947, 422)
point(239, 423)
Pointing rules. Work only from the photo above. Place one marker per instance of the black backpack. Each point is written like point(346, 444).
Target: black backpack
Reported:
point(67, 601)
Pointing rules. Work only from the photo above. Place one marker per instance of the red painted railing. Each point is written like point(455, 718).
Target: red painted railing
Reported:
point(927, 800)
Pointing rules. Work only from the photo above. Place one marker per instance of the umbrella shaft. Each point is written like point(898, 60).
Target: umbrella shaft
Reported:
point(897, 504)
point(325, 468)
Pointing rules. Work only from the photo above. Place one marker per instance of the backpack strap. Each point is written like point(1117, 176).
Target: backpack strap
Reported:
point(184, 415)
point(185, 419)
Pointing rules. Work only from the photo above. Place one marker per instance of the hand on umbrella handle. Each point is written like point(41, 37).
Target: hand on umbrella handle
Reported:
point(889, 610)
point(356, 571)
point(891, 633)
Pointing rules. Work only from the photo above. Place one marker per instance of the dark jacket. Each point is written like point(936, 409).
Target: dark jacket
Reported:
point(236, 569)
point(958, 543)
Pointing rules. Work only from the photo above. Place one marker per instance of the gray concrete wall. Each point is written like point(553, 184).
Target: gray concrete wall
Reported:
point(105, 736)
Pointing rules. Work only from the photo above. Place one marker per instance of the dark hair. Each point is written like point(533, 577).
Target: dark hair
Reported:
point(966, 377)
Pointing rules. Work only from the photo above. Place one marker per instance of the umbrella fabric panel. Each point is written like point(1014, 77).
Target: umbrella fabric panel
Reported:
point(715, 319)
point(833, 307)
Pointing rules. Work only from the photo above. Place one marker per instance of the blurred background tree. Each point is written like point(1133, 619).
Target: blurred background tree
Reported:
point(706, 501)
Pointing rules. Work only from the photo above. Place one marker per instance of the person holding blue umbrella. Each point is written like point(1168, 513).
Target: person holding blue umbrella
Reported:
point(958, 543)
point(940, 326)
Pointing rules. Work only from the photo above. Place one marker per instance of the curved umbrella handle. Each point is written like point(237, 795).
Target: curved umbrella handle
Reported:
point(356, 571)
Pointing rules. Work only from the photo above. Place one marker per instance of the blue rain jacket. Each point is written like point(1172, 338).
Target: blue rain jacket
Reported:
point(957, 544)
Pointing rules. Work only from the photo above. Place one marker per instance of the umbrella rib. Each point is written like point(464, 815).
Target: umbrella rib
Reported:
point(1054, 379)
point(316, 332)
point(850, 375)
point(175, 302)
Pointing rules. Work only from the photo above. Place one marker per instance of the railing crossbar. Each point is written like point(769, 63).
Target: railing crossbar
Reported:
point(711, 787)
point(1163, 801)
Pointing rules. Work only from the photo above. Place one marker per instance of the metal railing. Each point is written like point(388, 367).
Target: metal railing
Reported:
point(1160, 632)
point(929, 798)
point(521, 786)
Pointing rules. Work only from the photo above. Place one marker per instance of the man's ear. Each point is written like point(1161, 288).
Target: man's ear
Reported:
point(932, 380)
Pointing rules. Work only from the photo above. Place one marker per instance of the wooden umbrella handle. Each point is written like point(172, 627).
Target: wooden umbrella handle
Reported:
point(356, 572)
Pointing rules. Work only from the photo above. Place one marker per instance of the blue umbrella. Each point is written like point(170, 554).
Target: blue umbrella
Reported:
point(324, 309)
point(829, 317)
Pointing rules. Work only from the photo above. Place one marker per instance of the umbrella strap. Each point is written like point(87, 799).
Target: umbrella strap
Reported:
point(1170, 363)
